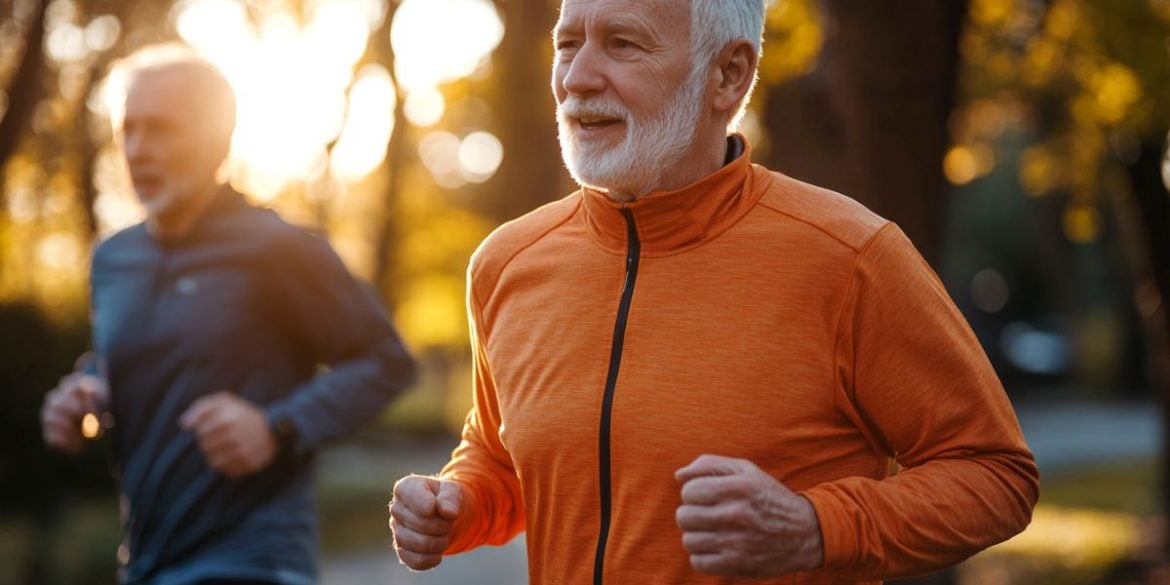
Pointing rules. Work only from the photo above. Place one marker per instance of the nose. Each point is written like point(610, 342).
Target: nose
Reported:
point(584, 74)
point(133, 146)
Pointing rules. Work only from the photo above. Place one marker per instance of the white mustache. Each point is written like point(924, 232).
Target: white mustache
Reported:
point(575, 107)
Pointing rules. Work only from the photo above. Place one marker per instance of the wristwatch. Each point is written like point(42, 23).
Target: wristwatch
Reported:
point(285, 431)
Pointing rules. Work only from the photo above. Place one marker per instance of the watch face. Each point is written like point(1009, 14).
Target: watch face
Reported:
point(285, 430)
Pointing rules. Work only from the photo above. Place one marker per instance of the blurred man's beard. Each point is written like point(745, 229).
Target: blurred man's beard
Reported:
point(651, 147)
point(166, 201)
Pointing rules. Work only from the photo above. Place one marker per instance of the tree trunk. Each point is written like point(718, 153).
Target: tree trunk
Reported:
point(871, 120)
point(1151, 203)
point(396, 153)
point(24, 90)
point(531, 173)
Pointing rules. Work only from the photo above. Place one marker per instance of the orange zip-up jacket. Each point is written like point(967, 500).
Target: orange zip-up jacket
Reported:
point(746, 315)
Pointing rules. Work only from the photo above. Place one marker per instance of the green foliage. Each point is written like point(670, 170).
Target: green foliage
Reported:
point(1087, 77)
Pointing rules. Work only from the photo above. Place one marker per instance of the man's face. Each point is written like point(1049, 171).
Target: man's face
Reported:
point(169, 146)
point(628, 98)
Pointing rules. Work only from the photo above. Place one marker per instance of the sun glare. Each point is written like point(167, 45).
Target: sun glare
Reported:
point(301, 110)
point(368, 125)
point(436, 41)
point(294, 83)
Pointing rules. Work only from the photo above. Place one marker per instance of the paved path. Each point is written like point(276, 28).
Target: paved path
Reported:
point(483, 566)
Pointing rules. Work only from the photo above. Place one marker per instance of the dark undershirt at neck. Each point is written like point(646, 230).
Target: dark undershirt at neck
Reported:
point(734, 148)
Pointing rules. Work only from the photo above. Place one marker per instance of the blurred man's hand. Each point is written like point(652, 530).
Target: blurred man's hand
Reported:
point(421, 516)
point(66, 406)
point(233, 433)
point(739, 521)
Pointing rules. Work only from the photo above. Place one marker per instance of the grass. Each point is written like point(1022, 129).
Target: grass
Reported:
point(1093, 525)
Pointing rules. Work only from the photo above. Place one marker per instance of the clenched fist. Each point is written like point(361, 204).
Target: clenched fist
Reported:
point(66, 405)
point(233, 433)
point(421, 516)
point(739, 521)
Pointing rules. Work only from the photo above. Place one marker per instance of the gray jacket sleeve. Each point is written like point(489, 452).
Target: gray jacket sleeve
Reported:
point(339, 323)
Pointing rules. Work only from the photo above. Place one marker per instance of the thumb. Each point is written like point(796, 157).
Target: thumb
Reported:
point(95, 393)
point(711, 465)
point(450, 500)
point(200, 410)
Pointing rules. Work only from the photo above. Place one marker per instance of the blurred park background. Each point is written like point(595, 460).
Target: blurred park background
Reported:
point(1020, 143)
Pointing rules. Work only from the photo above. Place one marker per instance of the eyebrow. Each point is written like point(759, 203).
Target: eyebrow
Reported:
point(608, 25)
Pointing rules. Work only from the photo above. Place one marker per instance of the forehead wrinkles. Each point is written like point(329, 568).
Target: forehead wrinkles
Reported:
point(661, 17)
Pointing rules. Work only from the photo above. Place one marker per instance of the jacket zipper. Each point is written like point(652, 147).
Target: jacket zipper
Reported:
point(633, 252)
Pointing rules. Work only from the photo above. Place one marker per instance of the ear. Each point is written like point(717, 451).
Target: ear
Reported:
point(735, 73)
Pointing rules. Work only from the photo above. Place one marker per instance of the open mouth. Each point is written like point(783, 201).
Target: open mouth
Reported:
point(147, 184)
point(597, 122)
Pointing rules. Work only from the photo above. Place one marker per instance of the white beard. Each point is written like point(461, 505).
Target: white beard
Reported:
point(650, 149)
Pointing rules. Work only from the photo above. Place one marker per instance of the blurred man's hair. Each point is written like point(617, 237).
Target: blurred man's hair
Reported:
point(214, 95)
point(714, 23)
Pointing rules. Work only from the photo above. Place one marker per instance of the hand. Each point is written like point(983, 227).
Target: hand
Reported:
point(739, 521)
point(232, 433)
point(421, 516)
point(66, 405)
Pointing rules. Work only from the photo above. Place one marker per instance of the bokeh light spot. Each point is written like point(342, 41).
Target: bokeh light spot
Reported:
point(480, 154)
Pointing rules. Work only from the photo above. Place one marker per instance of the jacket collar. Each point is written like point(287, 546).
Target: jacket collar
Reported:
point(669, 222)
point(224, 202)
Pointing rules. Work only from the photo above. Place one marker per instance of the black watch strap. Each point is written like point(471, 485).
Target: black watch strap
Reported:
point(285, 431)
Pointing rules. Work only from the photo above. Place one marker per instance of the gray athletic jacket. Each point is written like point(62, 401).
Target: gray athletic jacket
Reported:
point(250, 304)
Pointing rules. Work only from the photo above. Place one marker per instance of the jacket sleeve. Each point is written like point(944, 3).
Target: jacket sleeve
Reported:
point(338, 323)
point(493, 505)
point(911, 372)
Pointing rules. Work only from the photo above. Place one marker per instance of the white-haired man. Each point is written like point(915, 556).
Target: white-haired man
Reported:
point(694, 370)
point(211, 319)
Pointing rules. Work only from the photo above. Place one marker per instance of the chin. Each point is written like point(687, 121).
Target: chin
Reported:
point(160, 203)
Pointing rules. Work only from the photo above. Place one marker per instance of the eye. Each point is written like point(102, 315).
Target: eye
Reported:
point(567, 44)
point(621, 43)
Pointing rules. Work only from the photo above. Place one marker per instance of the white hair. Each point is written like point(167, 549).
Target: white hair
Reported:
point(216, 96)
point(714, 23)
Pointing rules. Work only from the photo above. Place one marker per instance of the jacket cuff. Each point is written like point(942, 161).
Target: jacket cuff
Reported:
point(838, 540)
point(288, 429)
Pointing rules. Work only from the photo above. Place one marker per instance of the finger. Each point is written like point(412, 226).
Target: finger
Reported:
point(219, 460)
point(710, 491)
point(65, 444)
point(97, 396)
point(58, 419)
point(67, 402)
point(721, 563)
point(700, 543)
point(703, 518)
point(215, 441)
point(712, 465)
point(432, 526)
point(198, 411)
point(418, 493)
point(450, 500)
point(69, 382)
point(419, 562)
point(419, 543)
point(63, 440)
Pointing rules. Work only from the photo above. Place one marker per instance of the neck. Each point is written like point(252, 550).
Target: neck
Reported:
point(708, 156)
point(176, 222)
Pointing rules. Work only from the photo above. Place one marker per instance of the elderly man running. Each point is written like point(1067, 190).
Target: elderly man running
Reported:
point(696, 370)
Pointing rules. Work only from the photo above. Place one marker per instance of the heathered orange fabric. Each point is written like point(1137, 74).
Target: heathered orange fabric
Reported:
point(771, 320)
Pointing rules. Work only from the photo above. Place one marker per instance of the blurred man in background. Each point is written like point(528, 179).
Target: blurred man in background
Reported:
point(212, 320)
point(695, 370)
